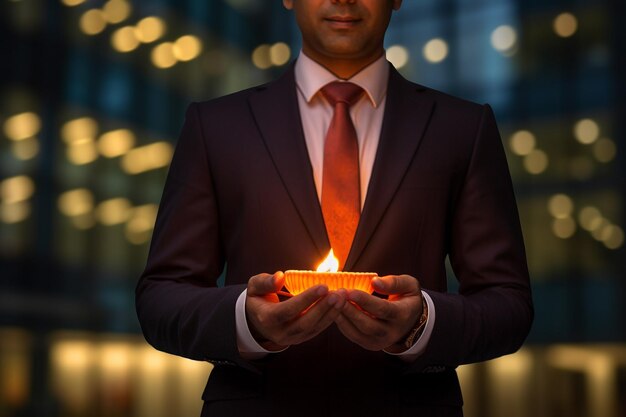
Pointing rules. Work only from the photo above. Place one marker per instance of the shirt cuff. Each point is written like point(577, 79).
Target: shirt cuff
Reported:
point(419, 346)
point(248, 347)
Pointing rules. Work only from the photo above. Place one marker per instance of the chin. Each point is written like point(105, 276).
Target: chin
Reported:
point(345, 50)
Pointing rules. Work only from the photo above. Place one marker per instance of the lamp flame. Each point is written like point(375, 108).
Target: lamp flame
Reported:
point(330, 264)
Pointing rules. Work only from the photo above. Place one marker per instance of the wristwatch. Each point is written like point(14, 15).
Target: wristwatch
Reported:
point(416, 331)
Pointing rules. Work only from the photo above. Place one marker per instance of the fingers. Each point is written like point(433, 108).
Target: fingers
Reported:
point(292, 321)
point(351, 332)
point(375, 323)
point(367, 332)
point(363, 322)
point(309, 323)
point(264, 284)
point(293, 307)
point(375, 306)
point(316, 319)
point(396, 284)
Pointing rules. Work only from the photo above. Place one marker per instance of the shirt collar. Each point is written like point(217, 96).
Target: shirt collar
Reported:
point(311, 77)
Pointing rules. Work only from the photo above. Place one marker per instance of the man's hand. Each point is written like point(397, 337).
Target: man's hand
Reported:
point(276, 325)
point(375, 323)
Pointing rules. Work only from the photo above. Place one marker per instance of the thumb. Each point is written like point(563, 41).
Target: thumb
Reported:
point(279, 280)
point(396, 284)
point(264, 284)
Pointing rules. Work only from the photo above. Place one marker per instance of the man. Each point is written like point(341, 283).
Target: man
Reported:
point(263, 180)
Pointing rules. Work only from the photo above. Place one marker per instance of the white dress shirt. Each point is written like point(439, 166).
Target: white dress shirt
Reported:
point(316, 114)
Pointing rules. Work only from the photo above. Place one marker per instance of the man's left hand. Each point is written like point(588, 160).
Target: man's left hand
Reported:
point(375, 323)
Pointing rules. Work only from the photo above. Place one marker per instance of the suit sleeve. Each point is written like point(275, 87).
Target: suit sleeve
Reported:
point(179, 306)
point(492, 313)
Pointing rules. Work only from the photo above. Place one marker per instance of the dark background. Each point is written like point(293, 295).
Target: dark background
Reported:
point(90, 108)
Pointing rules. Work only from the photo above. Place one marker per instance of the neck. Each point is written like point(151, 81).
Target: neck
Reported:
point(345, 68)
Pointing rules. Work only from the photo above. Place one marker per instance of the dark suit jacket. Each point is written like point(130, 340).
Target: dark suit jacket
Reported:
point(240, 195)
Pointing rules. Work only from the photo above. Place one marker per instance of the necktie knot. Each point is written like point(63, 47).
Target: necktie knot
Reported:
point(342, 92)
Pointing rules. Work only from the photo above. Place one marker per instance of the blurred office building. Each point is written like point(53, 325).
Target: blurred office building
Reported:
point(93, 94)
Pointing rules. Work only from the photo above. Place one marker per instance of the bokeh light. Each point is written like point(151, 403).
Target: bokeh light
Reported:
point(139, 227)
point(398, 55)
point(72, 354)
point(125, 39)
point(116, 11)
point(589, 218)
point(604, 150)
point(560, 206)
point(116, 143)
point(81, 128)
point(114, 358)
point(522, 142)
point(279, 54)
point(76, 202)
point(16, 189)
point(536, 162)
point(187, 48)
point(26, 149)
point(613, 237)
point(565, 25)
point(148, 157)
point(93, 22)
point(11, 213)
point(435, 50)
point(504, 38)
point(163, 55)
point(150, 29)
point(598, 231)
point(586, 131)
point(72, 3)
point(22, 126)
point(564, 228)
point(261, 57)
point(82, 151)
point(113, 211)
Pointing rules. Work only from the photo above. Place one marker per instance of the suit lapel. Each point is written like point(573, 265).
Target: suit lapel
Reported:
point(407, 113)
point(275, 109)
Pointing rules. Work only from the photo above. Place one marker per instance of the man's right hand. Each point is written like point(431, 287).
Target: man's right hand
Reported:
point(276, 325)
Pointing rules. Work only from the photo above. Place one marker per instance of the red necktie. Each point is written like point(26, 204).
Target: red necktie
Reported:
point(341, 194)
